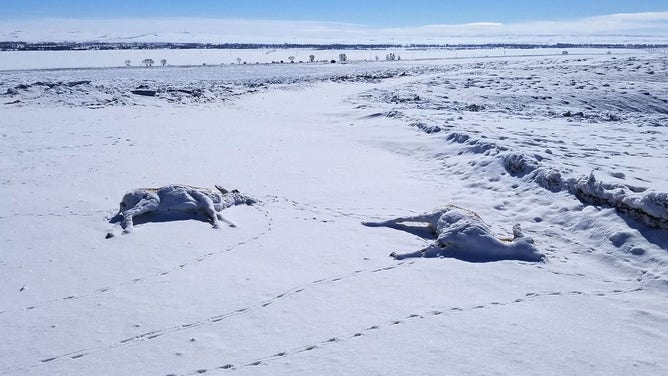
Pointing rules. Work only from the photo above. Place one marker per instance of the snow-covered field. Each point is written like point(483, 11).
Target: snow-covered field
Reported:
point(22, 60)
point(571, 147)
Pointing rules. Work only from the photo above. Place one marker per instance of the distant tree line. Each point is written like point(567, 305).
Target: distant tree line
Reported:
point(74, 46)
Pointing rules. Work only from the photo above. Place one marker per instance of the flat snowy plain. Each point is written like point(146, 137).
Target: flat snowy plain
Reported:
point(572, 147)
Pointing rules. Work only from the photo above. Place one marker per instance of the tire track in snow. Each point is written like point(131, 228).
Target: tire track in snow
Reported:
point(215, 319)
point(409, 318)
point(268, 228)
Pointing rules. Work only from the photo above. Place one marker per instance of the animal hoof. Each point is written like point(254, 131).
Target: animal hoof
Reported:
point(109, 235)
point(393, 254)
point(233, 225)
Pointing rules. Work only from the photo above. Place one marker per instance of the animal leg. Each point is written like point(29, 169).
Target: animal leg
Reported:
point(145, 205)
point(205, 202)
point(223, 219)
point(429, 251)
point(429, 218)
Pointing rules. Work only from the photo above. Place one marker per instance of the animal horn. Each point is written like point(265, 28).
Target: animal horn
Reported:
point(221, 189)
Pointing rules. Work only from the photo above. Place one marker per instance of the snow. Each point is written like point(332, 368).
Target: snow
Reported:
point(300, 286)
point(22, 60)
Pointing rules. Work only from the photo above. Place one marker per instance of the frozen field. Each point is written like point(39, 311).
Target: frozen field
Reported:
point(22, 60)
point(571, 147)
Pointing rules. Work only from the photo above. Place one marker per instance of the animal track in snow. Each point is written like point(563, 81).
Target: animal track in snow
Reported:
point(213, 320)
point(334, 212)
point(68, 214)
point(137, 280)
point(406, 319)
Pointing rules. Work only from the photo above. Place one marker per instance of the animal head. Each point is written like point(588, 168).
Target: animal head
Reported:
point(221, 189)
point(235, 197)
point(131, 198)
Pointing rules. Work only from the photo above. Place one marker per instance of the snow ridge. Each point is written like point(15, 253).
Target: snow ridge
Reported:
point(92, 88)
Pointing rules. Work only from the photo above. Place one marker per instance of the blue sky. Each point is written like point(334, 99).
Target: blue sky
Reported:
point(376, 13)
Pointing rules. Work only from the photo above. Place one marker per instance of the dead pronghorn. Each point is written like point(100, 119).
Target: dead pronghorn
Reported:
point(178, 199)
point(462, 234)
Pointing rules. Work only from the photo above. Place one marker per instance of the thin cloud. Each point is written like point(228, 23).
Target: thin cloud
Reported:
point(650, 27)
